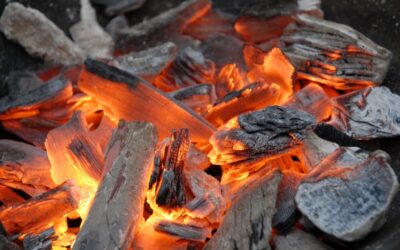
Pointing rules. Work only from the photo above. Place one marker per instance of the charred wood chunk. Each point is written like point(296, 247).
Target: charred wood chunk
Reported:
point(38, 35)
point(183, 231)
point(147, 63)
point(9, 197)
point(189, 68)
point(367, 114)
point(6, 244)
point(25, 167)
point(299, 240)
point(198, 97)
point(247, 224)
point(334, 54)
point(42, 241)
point(116, 24)
point(40, 210)
point(150, 103)
point(347, 195)
point(124, 6)
point(312, 99)
point(170, 191)
point(161, 28)
point(90, 36)
point(264, 133)
point(117, 210)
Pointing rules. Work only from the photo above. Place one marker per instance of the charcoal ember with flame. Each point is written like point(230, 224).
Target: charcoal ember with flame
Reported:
point(198, 97)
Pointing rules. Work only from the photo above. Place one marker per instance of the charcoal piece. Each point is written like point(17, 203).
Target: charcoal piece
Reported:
point(40, 241)
point(299, 240)
point(367, 114)
point(347, 195)
point(150, 104)
point(116, 24)
point(334, 54)
point(147, 63)
point(229, 79)
point(9, 197)
point(312, 99)
point(90, 36)
point(223, 49)
point(124, 6)
point(23, 100)
point(189, 68)
point(247, 224)
point(38, 35)
point(6, 244)
point(161, 28)
point(183, 231)
point(251, 97)
point(20, 82)
point(41, 210)
point(198, 97)
point(170, 191)
point(263, 133)
point(196, 159)
point(117, 209)
point(200, 207)
point(24, 166)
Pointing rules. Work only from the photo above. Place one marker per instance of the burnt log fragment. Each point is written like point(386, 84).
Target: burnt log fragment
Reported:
point(198, 97)
point(348, 194)
point(117, 210)
point(41, 241)
point(263, 133)
point(183, 231)
point(299, 240)
point(367, 114)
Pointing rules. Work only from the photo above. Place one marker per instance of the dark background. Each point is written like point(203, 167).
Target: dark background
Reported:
point(377, 19)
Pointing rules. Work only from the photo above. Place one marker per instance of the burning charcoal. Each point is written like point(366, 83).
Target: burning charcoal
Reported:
point(347, 195)
point(223, 49)
point(38, 35)
point(170, 191)
point(313, 100)
point(247, 224)
point(196, 159)
point(299, 240)
point(8, 197)
point(229, 79)
point(42, 241)
point(116, 24)
point(268, 132)
point(189, 68)
point(7, 244)
point(150, 104)
point(334, 54)
point(252, 97)
point(163, 27)
point(90, 36)
point(40, 210)
point(200, 207)
point(24, 166)
point(198, 97)
point(147, 63)
point(23, 102)
point(124, 6)
point(117, 210)
point(367, 114)
point(183, 231)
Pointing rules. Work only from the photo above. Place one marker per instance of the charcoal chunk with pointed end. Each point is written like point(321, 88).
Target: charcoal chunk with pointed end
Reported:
point(183, 231)
point(367, 114)
point(347, 195)
point(263, 133)
point(299, 240)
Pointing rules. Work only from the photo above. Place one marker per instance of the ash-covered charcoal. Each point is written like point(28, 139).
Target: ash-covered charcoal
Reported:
point(223, 49)
point(198, 97)
point(299, 240)
point(247, 223)
point(41, 241)
point(229, 79)
point(41, 210)
point(147, 63)
point(183, 231)
point(313, 100)
point(334, 54)
point(124, 6)
point(6, 244)
point(90, 36)
point(257, 8)
point(116, 24)
point(38, 35)
point(189, 68)
point(24, 167)
point(196, 159)
point(170, 191)
point(251, 97)
point(367, 114)
point(263, 133)
point(200, 207)
point(24, 100)
point(163, 27)
point(347, 195)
